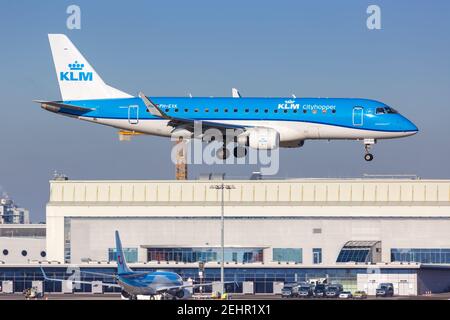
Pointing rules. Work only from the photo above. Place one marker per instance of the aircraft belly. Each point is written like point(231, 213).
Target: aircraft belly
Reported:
point(289, 130)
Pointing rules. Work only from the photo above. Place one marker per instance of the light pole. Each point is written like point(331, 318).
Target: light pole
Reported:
point(221, 187)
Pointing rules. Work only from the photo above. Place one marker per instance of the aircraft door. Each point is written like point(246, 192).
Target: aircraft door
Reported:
point(133, 114)
point(358, 116)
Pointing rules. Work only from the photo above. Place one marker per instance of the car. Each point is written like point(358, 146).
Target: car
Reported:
point(385, 290)
point(345, 295)
point(290, 290)
point(333, 290)
point(305, 291)
point(360, 295)
point(319, 290)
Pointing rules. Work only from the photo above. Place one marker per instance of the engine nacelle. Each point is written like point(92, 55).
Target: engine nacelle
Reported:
point(260, 138)
point(181, 133)
point(183, 294)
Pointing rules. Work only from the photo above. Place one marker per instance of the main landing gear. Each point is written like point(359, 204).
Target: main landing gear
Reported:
point(368, 143)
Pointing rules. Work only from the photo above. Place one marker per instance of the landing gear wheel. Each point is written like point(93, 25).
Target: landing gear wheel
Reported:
point(368, 157)
point(222, 153)
point(239, 152)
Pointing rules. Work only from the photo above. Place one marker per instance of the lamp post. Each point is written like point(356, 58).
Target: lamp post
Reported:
point(222, 187)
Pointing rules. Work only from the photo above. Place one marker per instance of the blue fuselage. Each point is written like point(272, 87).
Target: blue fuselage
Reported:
point(294, 118)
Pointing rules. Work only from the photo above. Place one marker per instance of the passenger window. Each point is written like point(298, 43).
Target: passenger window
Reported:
point(206, 110)
point(246, 110)
point(216, 110)
point(235, 110)
point(186, 110)
point(285, 111)
point(304, 111)
point(225, 110)
point(195, 110)
point(333, 111)
point(380, 111)
point(295, 110)
point(256, 110)
point(265, 110)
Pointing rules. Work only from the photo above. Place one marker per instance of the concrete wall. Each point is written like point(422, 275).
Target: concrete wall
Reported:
point(15, 246)
point(91, 237)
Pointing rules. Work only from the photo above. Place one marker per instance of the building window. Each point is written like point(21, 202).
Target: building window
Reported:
point(131, 254)
point(191, 255)
point(5, 252)
point(317, 230)
point(317, 255)
point(287, 255)
point(67, 245)
point(429, 255)
point(24, 253)
point(353, 255)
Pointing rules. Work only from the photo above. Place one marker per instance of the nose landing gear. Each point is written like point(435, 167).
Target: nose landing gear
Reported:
point(368, 143)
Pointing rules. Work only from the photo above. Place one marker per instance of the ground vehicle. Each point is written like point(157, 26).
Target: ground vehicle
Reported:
point(319, 290)
point(360, 295)
point(333, 290)
point(385, 290)
point(290, 290)
point(345, 295)
point(306, 291)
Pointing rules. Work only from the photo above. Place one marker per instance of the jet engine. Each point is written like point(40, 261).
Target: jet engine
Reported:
point(260, 138)
point(183, 294)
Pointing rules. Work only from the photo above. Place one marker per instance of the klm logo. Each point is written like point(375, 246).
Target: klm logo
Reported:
point(289, 104)
point(76, 73)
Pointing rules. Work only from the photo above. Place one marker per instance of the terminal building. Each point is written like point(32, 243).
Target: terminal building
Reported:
point(356, 232)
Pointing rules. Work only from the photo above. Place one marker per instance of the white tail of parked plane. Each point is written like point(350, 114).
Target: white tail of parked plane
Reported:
point(76, 77)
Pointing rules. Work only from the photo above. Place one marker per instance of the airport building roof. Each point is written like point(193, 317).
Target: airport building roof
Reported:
point(251, 192)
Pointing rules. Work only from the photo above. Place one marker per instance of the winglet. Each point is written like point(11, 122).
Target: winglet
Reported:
point(152, 108)
point(235, 93)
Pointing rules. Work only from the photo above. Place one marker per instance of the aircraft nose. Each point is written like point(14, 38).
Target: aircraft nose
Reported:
point(409, 127)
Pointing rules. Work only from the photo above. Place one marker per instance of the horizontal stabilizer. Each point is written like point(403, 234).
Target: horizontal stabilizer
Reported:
point(56, 106)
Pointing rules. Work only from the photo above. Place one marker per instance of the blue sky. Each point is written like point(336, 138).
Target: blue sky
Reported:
point(265, 48)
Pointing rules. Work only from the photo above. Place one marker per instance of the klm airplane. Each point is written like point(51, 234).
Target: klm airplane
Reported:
point(259, 123)
point(137, 284)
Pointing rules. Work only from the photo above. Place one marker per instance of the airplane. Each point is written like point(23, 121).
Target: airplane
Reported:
point(258, 123)
point(135, 285)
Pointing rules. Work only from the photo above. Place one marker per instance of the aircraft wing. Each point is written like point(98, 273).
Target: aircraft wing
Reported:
point(197, 285)
point(115, 285)
point(187, 123)
point(55, 105)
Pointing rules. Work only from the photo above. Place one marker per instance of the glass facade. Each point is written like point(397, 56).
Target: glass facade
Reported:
point(353, 255)
point(317, 255)
point(287, 255)
point(436, 255)
point(240, 255)
point(131, 254)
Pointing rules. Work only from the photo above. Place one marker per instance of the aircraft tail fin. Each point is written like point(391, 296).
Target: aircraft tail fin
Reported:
point(77, 79)
point(122, 266)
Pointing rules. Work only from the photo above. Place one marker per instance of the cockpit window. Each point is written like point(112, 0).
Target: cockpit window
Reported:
point(390, 110)
point(380, 111)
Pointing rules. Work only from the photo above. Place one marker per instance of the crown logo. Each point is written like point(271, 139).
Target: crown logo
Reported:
point(76, 66)
point(289, 101)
